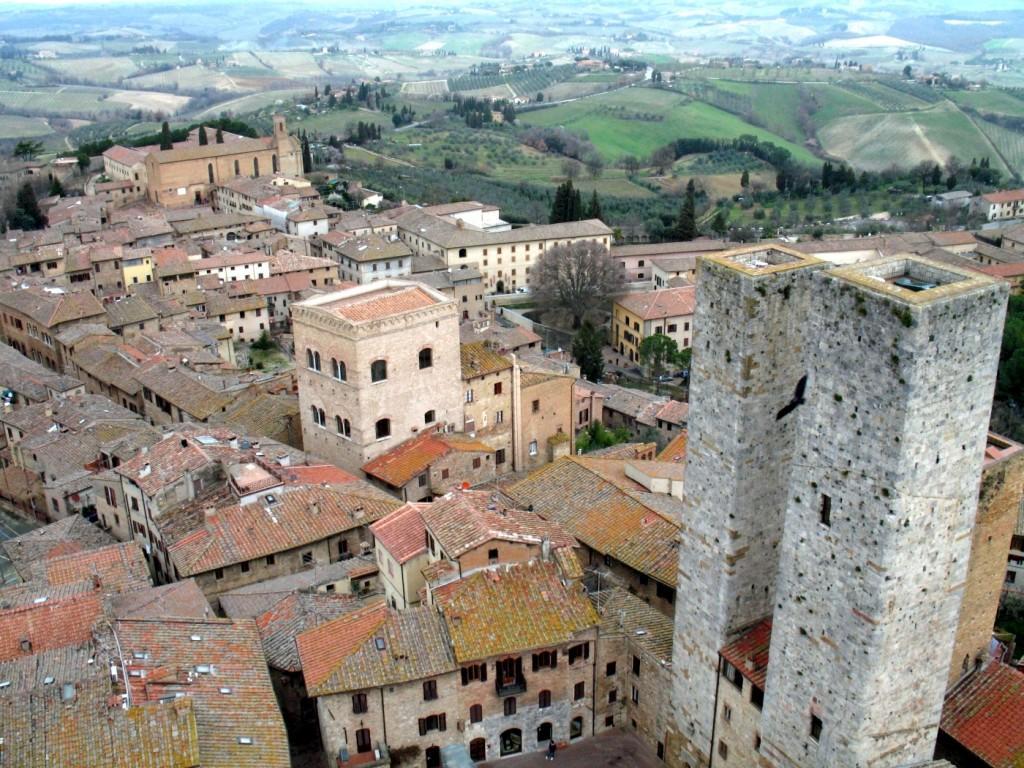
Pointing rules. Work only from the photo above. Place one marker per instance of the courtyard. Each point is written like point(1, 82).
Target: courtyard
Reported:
point(612, 748)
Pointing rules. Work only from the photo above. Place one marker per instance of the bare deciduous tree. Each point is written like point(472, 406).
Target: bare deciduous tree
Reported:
point(575, 278)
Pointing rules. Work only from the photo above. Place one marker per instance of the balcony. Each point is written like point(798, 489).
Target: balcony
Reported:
point(510, 686)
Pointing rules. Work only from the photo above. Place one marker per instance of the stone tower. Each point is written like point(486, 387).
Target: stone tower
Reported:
point(901, 365)
point(748, 364)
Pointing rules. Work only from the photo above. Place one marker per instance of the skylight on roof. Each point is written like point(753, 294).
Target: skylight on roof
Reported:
point(245, 739)
point(379, 643)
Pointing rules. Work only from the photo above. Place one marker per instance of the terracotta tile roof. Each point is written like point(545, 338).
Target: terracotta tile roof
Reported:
point(749, 652)
point(374, 646)
point(301, 515)
point(402, 533)
point(465, 520)
point(1004, 196)
point(512, 609)
point(51, 624)
point(675, 451)
point(575, 493)
point(952, 238)
point(376, 305)
point(183, 391)
point(114, 569)
point(665, 303)
point(178, 600)
point(125, 155)
point(232, 649)
point(53, 309)
point(409, 459)
point(478, 359)
point(292, 615)
point(164, 463)
point(285, 261)
point(1003, 270)
point(316, 474)
point(674, 412)
point(274, 416)
point(984, 713)
point(625, 614)
point(72, 534)
point(93, 729)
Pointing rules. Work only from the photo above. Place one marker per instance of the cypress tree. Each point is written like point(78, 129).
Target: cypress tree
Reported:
point(594, 208)
point(165, 136)
point(307, 157)
point(686, 225)
point(220, 136)
point(203, 141)
point(745, 179)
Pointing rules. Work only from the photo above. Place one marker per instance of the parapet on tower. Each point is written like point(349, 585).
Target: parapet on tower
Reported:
point(900, 365)
point(748, 376)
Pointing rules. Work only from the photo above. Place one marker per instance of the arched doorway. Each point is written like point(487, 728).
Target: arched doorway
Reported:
point(478, 750)
point(511, 742)
point(433, 755)
point(576, 728)
point(544, 732)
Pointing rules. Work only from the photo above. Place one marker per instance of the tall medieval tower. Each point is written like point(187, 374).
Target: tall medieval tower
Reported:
point(748, 367)
point(883, 491)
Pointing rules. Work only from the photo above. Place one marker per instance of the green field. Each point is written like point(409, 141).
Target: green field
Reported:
point(18, 127)
point(990, 100)
point(636, 121)
point(1009, 143)
point(904, 139)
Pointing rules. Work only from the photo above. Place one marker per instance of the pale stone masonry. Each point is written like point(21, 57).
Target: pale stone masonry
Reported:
point(837, 429)
point(747, 359)
point(879, 515)
point(377, 364)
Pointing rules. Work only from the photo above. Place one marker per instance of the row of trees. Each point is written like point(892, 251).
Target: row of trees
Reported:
point(568, 205)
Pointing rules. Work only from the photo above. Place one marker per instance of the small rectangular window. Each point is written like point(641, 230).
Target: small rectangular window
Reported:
point(609, 669)
point(826, 510)
point(723, 750)
point(815, 727)
point(429, 690)
point(727, 713)
point(579, 691)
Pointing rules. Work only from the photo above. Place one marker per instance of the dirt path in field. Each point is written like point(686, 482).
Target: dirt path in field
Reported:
point(927, 143)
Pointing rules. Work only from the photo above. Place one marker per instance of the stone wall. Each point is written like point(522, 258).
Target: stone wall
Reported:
point(881, 504)
point(747, 364)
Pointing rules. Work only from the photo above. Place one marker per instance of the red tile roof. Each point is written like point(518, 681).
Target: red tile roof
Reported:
point(321, 649)
point(1003, 270)
point(402, 533)
point(376, 305)
point(1005, 196)
point(407, 460)
point(113, 569)
point(51, 624)
point(749, 652)
point(317, 474)
point(232, 698)
point(985, 714)
point(654, 305)
point(675, 451)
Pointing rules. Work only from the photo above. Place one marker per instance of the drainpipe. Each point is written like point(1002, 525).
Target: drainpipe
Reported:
point(383, 717)
point(714, 721)
point(593, 686)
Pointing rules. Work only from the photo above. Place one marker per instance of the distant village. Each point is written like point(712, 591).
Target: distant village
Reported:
point(301, 485)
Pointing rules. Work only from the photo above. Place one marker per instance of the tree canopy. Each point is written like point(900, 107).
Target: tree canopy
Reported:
point(657, 354)
point(567, 205)
point(575, 278)
point(587, 351)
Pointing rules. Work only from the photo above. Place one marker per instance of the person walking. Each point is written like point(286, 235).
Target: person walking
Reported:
point(551, 750)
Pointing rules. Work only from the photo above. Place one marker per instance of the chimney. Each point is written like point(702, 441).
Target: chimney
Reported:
point(545, 548)
point(314, 507)
point(146, 470)
point(209, 512)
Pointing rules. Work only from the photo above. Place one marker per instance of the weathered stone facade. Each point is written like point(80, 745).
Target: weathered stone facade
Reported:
point(837, 428)
point(882, 500)
point(748, 357)
point(386, 332)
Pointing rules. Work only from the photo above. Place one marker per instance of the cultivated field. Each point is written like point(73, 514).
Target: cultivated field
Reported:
point(191, 78)
point(253, 102)
point(991, 100)
point(904, 139)
point(85, 101)
point(95, 69)
point(426, 88)
point(18, 127)
point(1009, 143)
point(636, 121)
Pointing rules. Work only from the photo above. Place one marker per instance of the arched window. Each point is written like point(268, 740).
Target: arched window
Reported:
point(544, 699)
point(273, 162)
point(426, 358)
point(544, 733)
point(343, 426)
point(429, 417)
point(478, 750)
point(383, 428)
point(238, 171)
point(209, 171)
point(462, 253)
point(319, 417)
point(476, 713)
point(338, 369)
point(255, 166)
point(510, 705)
point(312, 360)
point(378, 370)
point(512, 741)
